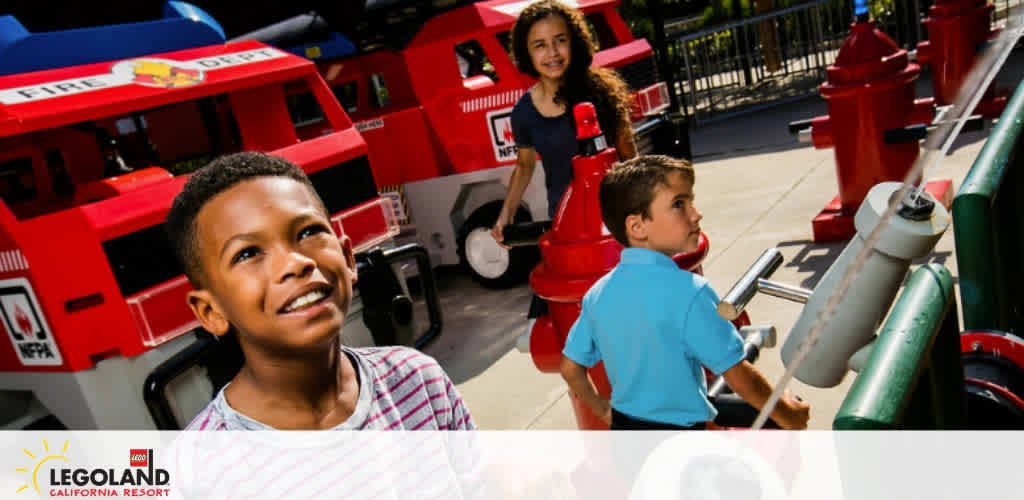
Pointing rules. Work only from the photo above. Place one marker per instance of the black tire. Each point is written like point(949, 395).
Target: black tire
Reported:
point(521, 260)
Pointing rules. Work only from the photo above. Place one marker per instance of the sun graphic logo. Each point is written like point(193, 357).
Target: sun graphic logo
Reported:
point(46, 457)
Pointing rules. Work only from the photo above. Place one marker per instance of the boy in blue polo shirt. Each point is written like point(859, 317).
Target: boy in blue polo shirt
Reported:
point(655, 325)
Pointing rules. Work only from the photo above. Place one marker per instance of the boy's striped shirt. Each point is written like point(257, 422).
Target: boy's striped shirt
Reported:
point(399, 389)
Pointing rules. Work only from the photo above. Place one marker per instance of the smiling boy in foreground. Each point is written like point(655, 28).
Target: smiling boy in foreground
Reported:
point(256, 244)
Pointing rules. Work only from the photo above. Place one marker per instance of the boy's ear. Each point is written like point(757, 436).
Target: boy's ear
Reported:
point(206, 310)
point(350, 256)
point(635, 227)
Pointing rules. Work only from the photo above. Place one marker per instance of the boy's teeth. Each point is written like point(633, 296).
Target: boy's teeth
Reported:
point(305, 300)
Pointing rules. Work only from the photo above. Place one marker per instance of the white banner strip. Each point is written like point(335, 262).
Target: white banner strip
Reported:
point(147, 71)
point(513, 465)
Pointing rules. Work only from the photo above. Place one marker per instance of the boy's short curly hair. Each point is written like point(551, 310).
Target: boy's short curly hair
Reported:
point(628, 189)
point(209, 181)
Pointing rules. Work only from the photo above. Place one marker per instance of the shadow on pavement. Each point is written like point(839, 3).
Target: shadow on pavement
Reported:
point(480, 325)
point(816, 258)
point(811, 257)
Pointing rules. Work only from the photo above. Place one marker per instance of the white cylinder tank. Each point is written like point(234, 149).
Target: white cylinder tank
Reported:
point(872, 290)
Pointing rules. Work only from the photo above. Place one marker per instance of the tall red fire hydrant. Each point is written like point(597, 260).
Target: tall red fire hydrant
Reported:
point(575, 253)
point(956, 30)
point(870, 90)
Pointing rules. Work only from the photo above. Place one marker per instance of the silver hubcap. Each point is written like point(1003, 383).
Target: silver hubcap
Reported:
point(484, 255)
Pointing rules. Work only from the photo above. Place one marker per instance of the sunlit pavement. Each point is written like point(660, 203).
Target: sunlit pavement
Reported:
point(757, 188)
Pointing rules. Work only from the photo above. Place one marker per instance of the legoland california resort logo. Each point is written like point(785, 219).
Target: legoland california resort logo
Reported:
point(140, 478)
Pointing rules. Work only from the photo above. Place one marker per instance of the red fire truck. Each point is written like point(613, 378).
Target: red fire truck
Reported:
point(91, 156)
point(432, 91)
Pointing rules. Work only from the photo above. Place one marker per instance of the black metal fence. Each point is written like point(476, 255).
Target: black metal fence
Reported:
point(777, 57)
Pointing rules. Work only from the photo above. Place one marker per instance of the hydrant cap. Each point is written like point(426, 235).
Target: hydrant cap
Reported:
point(587, 126)
point(867, 54)
point(953, 8)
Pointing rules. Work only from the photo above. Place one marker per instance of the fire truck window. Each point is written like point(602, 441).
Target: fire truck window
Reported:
point(603, 34)
point(126, 142)
point(17, 181)
point(127, 126)
point(505, 40)
point(179, 137)
point(62, 185)
point(473, 62)
point(380, 97)
point(183, 136)
point(347, 96)
point(304, 109)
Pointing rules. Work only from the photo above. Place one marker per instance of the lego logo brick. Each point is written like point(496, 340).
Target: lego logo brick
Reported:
point(138, 458)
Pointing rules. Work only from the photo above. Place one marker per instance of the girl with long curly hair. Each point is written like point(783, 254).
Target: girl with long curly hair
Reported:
point(551, 42)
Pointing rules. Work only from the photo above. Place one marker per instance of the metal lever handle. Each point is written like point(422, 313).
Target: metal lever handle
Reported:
point(745, 288)
point(912, 133)
point(783, 291)
point(524, 233)
point(754, 339)
point(797, 126)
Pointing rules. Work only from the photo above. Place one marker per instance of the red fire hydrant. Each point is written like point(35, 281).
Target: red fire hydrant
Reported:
point(956, 30)
point(870, 89)
point(575, 253)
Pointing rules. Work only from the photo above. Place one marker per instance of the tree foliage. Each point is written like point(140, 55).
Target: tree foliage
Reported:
point(714, 12)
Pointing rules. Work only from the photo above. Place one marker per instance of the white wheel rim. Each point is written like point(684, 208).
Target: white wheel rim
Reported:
point(484, 255)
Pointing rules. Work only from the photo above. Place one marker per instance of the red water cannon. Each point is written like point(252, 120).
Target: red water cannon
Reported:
point(873, 123)
point(575, 253)
point(957, 29)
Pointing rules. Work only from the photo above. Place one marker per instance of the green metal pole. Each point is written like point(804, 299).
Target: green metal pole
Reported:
point(885, 386)
point(948, 389)
point(983, 286)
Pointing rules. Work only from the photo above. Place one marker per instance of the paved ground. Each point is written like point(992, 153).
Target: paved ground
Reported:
point(757, 188)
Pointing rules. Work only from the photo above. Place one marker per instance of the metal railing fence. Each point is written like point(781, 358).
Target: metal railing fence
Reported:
point(779, 56)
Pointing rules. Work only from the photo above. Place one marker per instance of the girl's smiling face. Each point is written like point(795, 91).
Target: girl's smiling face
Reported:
point(549, 44)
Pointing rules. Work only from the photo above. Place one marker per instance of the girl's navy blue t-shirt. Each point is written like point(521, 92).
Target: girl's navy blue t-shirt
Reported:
point(554, 139)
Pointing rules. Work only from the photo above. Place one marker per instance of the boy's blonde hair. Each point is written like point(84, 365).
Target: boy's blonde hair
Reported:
point(628, 189)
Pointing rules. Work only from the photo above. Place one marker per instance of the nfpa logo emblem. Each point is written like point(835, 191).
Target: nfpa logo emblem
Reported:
point(500, 125)
point(26, 327)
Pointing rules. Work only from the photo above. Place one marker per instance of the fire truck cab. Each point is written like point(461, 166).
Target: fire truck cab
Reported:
point(431, 90)
point(97, 333)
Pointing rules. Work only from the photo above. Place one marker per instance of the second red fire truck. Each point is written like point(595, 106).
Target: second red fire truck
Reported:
point(432, 90)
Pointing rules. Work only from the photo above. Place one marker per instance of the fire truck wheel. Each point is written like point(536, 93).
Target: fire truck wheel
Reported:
point(488, 263)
